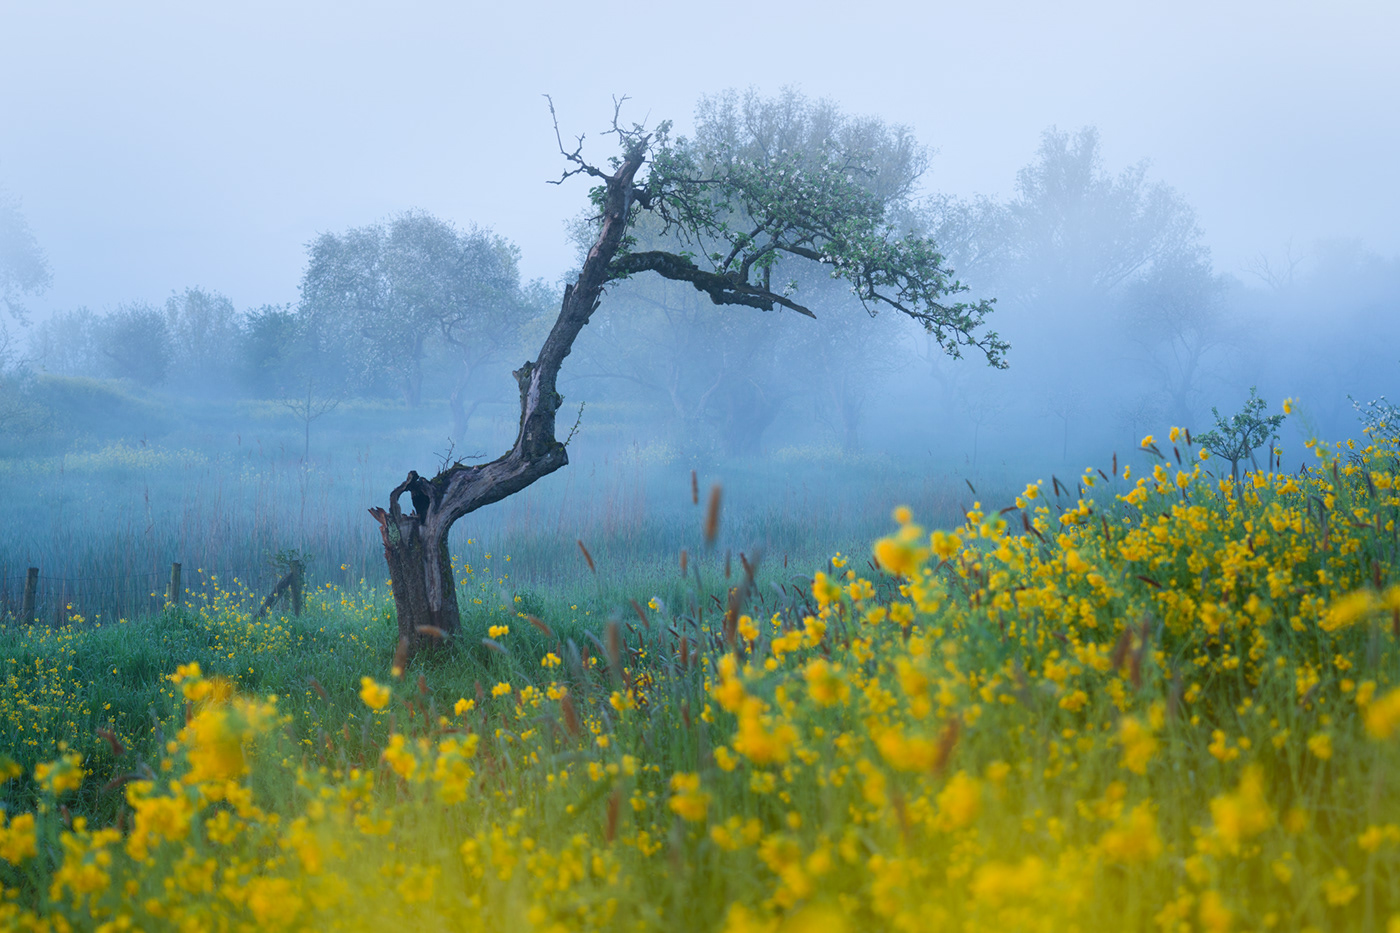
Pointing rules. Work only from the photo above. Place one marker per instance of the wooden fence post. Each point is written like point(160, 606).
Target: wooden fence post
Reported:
point(175, 597)
point(31, 587)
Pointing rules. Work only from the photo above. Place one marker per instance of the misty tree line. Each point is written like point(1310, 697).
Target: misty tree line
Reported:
point(1118, 321)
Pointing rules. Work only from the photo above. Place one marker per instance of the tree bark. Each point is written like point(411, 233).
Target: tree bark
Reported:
point(416, 544)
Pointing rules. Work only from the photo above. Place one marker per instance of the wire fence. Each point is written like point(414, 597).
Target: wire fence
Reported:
point(60, 599)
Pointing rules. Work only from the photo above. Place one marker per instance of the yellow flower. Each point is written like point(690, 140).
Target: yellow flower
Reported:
point(60, 776)
point(1074, 701)
point(687, 800)
point(1339, 889)
point(730, 692)
point(1321, 745)
point(944, 544)
point(18, 840)
point(216, 736)
point(400, 758)
point(959, 802)
point(451, 771)
point(375, 695)
point(747, 629)
point(1382, 716)
point(1215, 916)
point(1139, 744)
point(501, 689)
point(995, 882)
point(157, 819)
point(1348, 610)
point(825, 591)
point(1243, 814)
point(761, 738)
point(824, 682)
point(899, 556)
point(185, 672)
point(418, 884)
point(463, 706)
point(273, 902)
point(1134, 839)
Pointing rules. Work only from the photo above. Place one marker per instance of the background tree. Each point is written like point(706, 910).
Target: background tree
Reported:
point(739, 206)
point(1238, 436)
point(24, 269)
point(718, 379)
point(726, 372)
point(66, 343)
point(1086, 257)
point(381, 296)
point(489, 314)
point(1177, 314)
point(134, 343)
point(845, 357)
point(307, 405)
point(272, 353)
point(1076, 233)
point(204, 330)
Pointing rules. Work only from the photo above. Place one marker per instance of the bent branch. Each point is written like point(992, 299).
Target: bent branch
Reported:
point(722, 289)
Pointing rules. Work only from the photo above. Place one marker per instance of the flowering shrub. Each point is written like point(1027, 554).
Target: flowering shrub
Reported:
point(1171, 706)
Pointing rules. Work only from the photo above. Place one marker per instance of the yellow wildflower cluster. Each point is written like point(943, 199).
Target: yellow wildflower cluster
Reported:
point(1171, 707)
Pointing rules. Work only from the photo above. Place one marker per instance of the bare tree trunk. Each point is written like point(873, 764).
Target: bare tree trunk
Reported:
point(415, 545)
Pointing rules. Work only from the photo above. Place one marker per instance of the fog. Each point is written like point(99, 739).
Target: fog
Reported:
point(1170, 207)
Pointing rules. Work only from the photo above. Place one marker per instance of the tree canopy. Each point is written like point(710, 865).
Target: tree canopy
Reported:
point(385, 293)
point(768, 181)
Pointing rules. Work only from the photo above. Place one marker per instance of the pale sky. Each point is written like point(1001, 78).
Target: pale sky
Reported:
point(161, 145)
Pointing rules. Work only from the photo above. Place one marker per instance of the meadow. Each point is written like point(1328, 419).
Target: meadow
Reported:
point(1142, 697)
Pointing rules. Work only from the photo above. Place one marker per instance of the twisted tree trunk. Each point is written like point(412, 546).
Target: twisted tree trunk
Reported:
point(415, 544)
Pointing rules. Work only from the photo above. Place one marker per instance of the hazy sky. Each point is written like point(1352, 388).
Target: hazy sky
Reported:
point(156, 146)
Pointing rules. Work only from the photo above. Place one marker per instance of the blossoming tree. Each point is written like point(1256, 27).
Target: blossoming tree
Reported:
point(740, 208)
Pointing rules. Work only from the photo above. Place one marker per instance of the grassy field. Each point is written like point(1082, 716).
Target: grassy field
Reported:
point(1150, 700)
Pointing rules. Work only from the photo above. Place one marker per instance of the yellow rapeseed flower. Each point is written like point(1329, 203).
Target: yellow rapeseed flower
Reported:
point(687, 800)
point(374, 695)
point(1382, 715)
point(1242, 814)
point(1139, 744)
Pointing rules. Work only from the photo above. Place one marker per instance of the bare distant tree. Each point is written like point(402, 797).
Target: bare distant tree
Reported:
point(1278, 277)
point(307, 406)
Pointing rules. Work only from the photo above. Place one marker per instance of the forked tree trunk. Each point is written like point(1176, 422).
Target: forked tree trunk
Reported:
point(415, 544)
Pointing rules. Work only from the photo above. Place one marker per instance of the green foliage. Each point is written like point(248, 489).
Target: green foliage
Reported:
point(770, 183)
point(80, 406)
point(1238, 436)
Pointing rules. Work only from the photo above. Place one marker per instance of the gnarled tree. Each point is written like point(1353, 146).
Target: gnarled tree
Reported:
point(742, 205)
